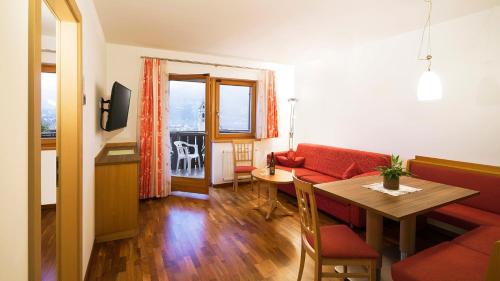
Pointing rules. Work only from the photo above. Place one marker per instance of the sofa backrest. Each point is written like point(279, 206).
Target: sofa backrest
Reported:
point(334, 161)
point(485, 179)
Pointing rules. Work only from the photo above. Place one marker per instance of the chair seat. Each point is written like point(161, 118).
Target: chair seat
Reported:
point(340, 242)
point(244, 169)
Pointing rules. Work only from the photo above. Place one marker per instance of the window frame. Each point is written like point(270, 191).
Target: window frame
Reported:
point(217, 82)
point(48, 143)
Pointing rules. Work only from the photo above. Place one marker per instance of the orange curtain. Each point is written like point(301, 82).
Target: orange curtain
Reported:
point(154, 179)
point(272, 105)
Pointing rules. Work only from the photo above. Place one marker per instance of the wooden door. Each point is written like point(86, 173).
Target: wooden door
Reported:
point(68, 139)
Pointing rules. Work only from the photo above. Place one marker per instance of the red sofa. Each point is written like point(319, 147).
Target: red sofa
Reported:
point(466, 257)
point(327, 164)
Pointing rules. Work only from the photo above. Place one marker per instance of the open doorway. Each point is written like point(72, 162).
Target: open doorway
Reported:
point(190, 132)
point(55, 140)
point(48, 124)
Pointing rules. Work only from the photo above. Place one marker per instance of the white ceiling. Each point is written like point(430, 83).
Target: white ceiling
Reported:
point(270, 30)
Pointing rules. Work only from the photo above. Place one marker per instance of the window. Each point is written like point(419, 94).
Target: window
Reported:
point(187, 106)
point(48, 106)
point(235, 109)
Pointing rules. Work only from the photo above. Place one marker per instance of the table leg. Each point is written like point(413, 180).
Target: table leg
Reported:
point(258, 197)
point(374, 235)
point(273, 195)
point(273, 201)
point(407, 232)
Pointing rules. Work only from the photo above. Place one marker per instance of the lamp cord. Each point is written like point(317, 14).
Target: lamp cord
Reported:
point(427, 27)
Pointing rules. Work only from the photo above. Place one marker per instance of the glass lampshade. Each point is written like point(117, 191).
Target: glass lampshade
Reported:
point(429, 87)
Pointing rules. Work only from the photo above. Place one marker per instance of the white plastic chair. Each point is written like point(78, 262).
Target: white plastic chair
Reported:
point(183, 154)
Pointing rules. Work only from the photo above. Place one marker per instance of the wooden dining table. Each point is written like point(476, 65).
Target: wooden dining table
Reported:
point(404, 208)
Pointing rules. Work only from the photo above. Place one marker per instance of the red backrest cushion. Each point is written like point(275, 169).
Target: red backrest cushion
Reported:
point(352, 171)
point(334, 161)
point(488, 184)
point(287, 162)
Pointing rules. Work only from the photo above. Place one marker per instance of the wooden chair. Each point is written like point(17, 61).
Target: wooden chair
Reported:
point(243, 159)
point(493, 273)
point(333, 245)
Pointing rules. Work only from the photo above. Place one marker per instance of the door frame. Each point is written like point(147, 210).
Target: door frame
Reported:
point(68, 143)
point(190, 184)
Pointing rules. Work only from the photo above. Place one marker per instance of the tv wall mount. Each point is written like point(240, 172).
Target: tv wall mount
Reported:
point(102, 103)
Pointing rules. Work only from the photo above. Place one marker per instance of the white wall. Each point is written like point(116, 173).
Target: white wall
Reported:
point(48, 177)
point(124, 65)
point(13, 151)
point(94, 72)
point(365, 98)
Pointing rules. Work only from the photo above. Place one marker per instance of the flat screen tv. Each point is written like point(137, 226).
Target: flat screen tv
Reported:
point(117, 109)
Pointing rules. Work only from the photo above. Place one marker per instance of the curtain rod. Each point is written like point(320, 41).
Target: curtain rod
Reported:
point(204, 63)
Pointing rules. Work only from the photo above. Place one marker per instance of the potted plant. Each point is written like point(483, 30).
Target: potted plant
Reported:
point(392, 173)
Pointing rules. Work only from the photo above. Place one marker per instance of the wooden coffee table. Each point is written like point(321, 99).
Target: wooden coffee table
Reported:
point(404, 208)
point(280, 177)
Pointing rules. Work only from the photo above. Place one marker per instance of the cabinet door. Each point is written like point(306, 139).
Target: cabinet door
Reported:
point(116, 200)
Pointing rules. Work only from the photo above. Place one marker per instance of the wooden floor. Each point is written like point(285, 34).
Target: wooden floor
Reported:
point(196, 237)
point(49, 244)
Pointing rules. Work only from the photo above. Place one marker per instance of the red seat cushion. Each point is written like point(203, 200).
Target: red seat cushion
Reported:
point(444, 262)
point(339, 241)
point(318, 179)
point(464, 216)
point(244, 169)
point(296, 162)
point(480, 239)
point(299, 172)
point(284, 168)
point(367, 174)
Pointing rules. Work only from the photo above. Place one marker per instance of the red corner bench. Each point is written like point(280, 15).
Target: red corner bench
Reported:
point(467, 257)
point(326, 164)
point(470, 213)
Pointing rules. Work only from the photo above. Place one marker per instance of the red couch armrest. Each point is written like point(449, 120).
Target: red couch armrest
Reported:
point(279, 153)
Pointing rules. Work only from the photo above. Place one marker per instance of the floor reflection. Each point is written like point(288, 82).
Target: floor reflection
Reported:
point(198, 173)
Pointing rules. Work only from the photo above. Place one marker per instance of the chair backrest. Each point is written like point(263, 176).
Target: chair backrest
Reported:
point(181, 150)
point(243, 151)
point(308, 213)
point(493, 273)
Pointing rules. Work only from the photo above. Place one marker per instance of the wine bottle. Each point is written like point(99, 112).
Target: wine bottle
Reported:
point(272, 165)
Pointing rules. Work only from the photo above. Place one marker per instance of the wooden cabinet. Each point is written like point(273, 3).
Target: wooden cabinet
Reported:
point(116, 192)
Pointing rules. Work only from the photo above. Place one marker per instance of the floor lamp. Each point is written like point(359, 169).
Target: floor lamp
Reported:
point(292, 102)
